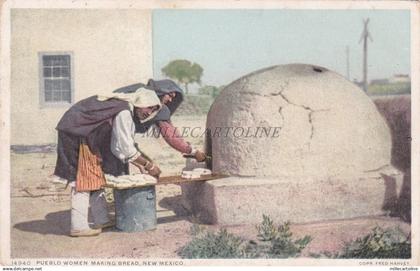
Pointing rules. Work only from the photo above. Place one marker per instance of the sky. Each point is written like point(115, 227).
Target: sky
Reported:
point(231, 43)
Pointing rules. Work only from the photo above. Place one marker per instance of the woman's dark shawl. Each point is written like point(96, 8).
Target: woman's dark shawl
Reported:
point(161, 87)
point(89, 120)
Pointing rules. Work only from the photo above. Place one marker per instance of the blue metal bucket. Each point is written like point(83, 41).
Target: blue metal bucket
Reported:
point(135, 209)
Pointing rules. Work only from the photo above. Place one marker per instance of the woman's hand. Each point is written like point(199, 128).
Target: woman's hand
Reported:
point(200, 156)
point(153, 170)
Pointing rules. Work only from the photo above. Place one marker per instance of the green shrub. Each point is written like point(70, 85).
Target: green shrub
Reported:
point(274, 242)
point(266, 230)
point(282, 245)
point(277, 242)
point(379, 244)
point(209, 245)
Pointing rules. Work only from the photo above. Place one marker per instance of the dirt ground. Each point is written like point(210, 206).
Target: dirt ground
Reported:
point(40, 215)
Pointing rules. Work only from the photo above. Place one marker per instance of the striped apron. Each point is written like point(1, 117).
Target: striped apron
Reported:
point(90, 176)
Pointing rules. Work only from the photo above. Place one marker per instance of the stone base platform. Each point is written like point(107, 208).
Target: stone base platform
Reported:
point(244, 200)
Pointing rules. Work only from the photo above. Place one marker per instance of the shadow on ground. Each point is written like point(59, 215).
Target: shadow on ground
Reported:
point(56, 223)
point(173, 204)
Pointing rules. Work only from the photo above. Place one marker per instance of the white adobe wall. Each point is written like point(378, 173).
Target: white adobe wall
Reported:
point(111, 48)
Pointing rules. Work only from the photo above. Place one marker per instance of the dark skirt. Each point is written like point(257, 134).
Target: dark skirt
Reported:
point(99, 142)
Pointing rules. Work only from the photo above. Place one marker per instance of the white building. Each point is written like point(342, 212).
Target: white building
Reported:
point(60, 56)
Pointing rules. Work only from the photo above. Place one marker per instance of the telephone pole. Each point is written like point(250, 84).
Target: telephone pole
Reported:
point(365, 35)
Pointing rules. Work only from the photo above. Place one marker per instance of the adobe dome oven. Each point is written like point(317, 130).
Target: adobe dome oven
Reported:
point(299, 143)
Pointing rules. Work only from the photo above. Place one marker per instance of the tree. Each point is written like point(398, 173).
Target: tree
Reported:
point(184, 72)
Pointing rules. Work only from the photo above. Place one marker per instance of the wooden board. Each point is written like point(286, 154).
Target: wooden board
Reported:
point(179, 180)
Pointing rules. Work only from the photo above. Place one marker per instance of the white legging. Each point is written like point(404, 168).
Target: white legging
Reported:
point(80, 202)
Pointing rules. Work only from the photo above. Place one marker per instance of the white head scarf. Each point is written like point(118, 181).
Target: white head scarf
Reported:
point(141, 98)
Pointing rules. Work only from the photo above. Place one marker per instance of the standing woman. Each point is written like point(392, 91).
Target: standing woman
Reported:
point(171, 96)
point(96, 137)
